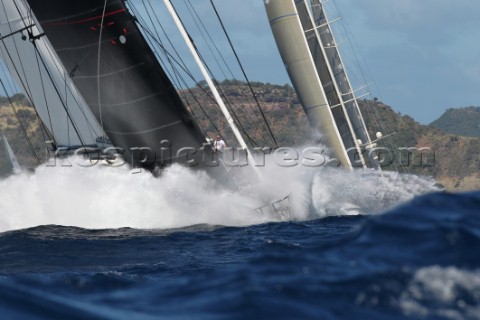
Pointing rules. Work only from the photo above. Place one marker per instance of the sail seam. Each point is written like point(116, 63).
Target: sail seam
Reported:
point(149, 130)
point(62, 23)
point(127, 102)
point(108, 74)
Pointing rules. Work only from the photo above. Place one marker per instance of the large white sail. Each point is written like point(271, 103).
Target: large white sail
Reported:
point(298, 60)
point(37, 70)
point(313, 63)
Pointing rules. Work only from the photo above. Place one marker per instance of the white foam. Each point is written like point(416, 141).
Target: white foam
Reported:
point(442, 288)
point(107, 197)
point(104, 197)
point(340, 192)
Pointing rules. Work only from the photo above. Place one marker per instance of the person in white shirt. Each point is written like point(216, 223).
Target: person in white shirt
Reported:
point(219, 144)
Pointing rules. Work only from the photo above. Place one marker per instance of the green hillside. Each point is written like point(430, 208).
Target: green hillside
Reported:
point(461, 121)
point(456, 158)
point(16, 126)
point(453, 160)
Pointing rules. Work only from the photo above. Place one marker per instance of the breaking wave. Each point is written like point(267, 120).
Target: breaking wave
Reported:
point(444, 292)
point(113, 197)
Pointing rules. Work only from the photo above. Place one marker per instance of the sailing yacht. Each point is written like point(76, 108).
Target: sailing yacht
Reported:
point(95, 56)
point(97, 84)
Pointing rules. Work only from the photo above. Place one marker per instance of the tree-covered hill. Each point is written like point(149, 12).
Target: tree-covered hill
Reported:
point(456, 160)
point(17, 121)
point(461, 121)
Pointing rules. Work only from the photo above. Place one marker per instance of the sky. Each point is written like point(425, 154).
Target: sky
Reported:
point(422, 56)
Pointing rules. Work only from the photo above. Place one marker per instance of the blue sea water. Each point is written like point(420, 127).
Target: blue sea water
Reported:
point(419, 260)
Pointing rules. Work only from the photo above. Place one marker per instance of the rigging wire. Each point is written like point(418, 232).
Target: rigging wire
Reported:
point(184, 68)
point(155, 41)
point(22, 125)
point(176, 75)
point(74, 93)
point(28, 25)
point(244, 74)
point(65, 107)
point(182, 65)
point(66, 102)
point(223, 95)
point(376, 118)
point(196, 17)
point(43, 129)
point(27, 87)
point(177, 61)
point(198, 22)
point(44, 94)
point(181, 83)
point(33, 42)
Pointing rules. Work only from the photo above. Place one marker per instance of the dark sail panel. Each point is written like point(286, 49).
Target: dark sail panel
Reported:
point(129, 92)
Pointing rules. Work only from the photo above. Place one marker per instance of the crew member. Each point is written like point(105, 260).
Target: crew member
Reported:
point(219, 144)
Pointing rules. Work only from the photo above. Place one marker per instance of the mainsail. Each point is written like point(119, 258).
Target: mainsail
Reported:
point(309, 51)
point(118, 75)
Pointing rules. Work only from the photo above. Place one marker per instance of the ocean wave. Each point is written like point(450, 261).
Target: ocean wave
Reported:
point(444, 292)
point(102, 197)
point(419, 260)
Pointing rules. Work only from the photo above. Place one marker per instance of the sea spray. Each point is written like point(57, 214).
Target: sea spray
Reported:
point(416, 261)
point(113, 197)
point(106, 197)
point(364, 191)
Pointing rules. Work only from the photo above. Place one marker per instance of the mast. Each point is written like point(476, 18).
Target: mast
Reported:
point(210, 83)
